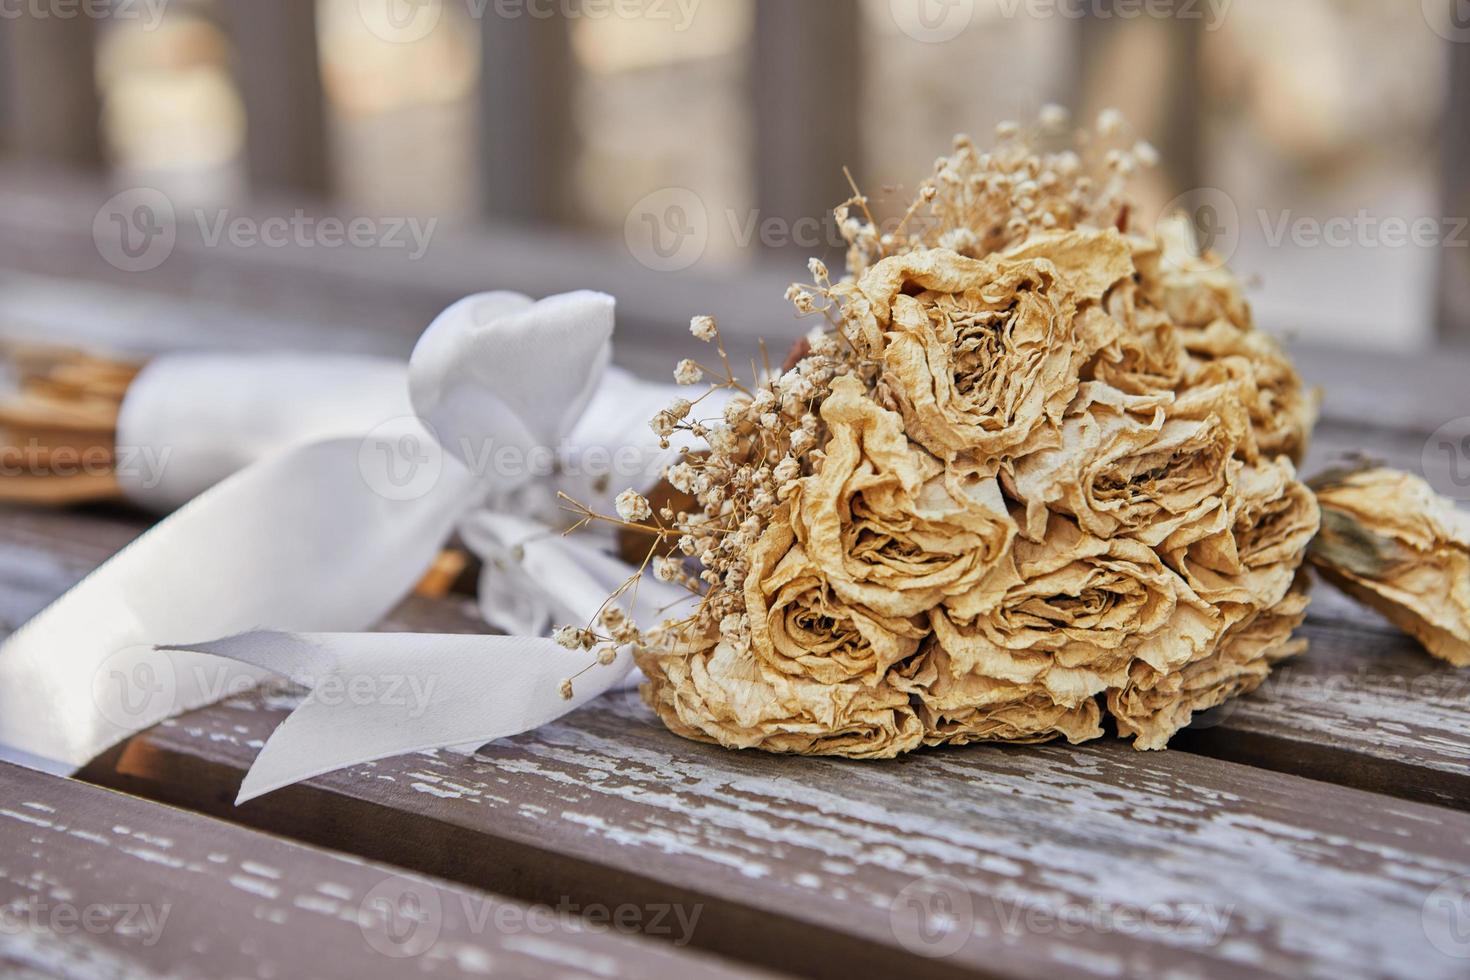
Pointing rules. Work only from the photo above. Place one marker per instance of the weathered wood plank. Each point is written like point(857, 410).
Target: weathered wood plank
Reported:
point(1365, 707)
point(815, 864)
point(528, 137)
point(97, 884)
point(281, 85)
point(51, 110)
point(1337, 443)
point(805, 76)
point(1454, 264)
point(1405, 392)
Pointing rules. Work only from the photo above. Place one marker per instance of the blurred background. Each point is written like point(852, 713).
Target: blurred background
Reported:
point(684, 153)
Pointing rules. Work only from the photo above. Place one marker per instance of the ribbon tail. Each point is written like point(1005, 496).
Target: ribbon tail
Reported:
point(377, 695)
point(303, 540)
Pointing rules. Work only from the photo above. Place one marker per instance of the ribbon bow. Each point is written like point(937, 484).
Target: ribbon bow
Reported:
point(511, 400)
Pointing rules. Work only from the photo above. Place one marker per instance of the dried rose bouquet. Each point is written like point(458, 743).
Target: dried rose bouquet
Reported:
point(1035, 465)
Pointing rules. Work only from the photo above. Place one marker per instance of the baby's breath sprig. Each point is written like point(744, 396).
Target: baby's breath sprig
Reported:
point(1037, 178)
point(618, 629)
point(763, 442)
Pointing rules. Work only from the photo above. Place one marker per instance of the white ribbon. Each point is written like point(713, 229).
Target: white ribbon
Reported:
point(511, 400)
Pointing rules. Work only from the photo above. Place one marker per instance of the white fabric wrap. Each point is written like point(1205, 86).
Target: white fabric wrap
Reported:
point(190, 420)
point(510, 401)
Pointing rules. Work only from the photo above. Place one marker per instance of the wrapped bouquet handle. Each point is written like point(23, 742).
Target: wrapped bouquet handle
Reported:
point(325, 538)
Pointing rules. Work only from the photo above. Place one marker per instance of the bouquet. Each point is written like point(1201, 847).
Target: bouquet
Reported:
point(1035, 466)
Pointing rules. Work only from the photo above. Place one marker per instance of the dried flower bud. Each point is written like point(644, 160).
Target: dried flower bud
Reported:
point(681, 477)
point(632, 506)
point(1054, 117)
point(703, 328)
point(688, 372)
point(573, 637)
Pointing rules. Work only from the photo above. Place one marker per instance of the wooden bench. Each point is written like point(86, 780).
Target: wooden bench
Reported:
point(1317, 827)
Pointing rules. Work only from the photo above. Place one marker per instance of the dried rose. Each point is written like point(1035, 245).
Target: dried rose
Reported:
point(1155, 704)
point(1251, 562)
point(1282, 412)
point(1389, 541)
point(958, 707)
point(881, 520)
point(982, 356)
point(1193, 290)
point(1126, 466)
point(800, 626)
point(1078, 611)
point(1146, 356)
point(1204, 302)
point(712, 690)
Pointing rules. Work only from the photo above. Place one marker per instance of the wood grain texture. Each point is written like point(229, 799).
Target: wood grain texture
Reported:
point(96, 884)
point(1413, 392)
point(1365, 707)
point(812, 864)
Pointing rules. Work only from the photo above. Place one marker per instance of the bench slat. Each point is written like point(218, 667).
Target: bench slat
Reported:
point(805, 863)
point(94, 883)
point(1364, 707)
